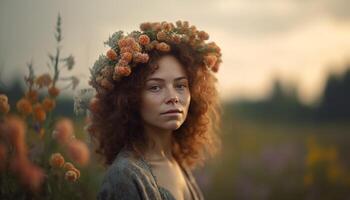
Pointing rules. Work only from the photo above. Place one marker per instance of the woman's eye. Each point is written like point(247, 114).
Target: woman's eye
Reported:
point(182, 86)
point(154, 88)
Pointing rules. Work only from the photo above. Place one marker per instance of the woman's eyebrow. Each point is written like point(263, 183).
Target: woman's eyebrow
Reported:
point(162, 80)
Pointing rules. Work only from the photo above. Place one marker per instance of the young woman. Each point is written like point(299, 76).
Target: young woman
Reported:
point(156, 112)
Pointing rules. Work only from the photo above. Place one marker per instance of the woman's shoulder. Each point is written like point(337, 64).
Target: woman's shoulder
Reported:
point(127, 165)
point(128, 178)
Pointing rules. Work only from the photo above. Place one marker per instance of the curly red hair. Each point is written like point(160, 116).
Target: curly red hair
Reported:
point(116, 121)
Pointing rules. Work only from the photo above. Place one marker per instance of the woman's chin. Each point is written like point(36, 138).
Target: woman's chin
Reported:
point(172, 126)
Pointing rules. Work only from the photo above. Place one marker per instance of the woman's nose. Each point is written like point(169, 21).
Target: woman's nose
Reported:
point(172, 96)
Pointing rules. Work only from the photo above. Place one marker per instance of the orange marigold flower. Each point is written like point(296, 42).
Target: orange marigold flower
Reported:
point(29, 174)
point(151, 45)
point(203, 35)
point(145, 26)
point(64, 130)
point(127, 56)
point(162, 36)
point(176, 39)
point(141, 57)
point(215, 68)
point(76, 171)
point(43, 80)
point(94, 105)
point(185, 24)
point(166, 27)
point(179, 23)
point(79, 152)
point(163, 47)
point(136, 47)
point(130, 41)
point(24, 106)
point(15, 128)
point(214, 47)
point(54, 92)
point(210, 60)
point(71, 176)
point(56, 160)
point(49, 104)
point(68, 166)
point(144, 39)
point(32, 95)
point(122, 43)
point(156, 26)
point(39, 112)
point(126, 49)
point(111, 54)
point(105, 83)
point(4, 106)
point(122, 62)
point(123, 70)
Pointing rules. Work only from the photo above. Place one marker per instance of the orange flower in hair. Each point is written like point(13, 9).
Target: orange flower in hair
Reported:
point(39, 112)
point(162, 36)
point(163, 47)
point(56, 160)
point(24, 106)
point(123, 70)
point(176, 39)
point(126, 49)
point(127, 56)
point(203, 35)
point(210, 60)
point(144, 39)
point(215, 68)
point(49, 104)
point(145, 26)
point(111, 54)
point(137, 46)
point(166, 27)
point(64, 130)
point(106, 84)
point(156, 26)
point(94, 105)
point(141, 57)
point(53, 91)
point(122, 43)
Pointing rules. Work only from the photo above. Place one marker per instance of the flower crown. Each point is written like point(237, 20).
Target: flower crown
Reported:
point(126, 51)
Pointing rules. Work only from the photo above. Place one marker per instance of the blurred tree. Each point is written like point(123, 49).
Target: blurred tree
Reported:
point(335, 102)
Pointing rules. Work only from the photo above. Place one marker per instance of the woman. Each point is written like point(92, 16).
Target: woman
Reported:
point(155, 114)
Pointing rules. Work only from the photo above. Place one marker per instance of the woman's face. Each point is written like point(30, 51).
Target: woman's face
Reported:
point(166, 89)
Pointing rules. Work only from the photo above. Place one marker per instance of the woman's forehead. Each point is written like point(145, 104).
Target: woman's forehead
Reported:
point(168, 67)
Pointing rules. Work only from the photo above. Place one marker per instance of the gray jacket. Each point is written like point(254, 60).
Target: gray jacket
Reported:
point(132, 178)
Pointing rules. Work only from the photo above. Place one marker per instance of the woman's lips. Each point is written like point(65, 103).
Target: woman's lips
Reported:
point(176, 111)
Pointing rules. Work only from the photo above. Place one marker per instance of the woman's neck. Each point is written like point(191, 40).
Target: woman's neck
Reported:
point(159, 143)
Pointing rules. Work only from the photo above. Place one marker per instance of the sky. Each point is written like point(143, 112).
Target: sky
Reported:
point(299, 42)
